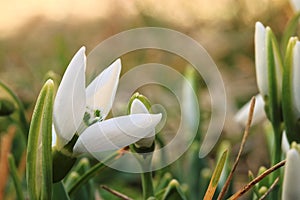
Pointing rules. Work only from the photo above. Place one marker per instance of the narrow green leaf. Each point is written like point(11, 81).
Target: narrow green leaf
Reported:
point(15, 177)
point(39, 159)
point(287, 100)
point(215, 177)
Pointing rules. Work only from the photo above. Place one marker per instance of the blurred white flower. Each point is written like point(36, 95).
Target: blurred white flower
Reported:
point(291, 179)
point(295, 5)
point(82, 111)
point(259, 114)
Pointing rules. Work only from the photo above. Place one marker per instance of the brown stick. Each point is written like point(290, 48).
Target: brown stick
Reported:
point(246, 133)
point(116, 193)
point(247, 187)
point(270, 189)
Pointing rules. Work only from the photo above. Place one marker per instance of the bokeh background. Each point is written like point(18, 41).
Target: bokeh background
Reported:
point(39, 36)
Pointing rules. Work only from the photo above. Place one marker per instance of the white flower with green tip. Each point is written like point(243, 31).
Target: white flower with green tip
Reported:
point(82, 111)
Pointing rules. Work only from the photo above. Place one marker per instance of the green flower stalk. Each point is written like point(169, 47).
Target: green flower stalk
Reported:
point(144, 147)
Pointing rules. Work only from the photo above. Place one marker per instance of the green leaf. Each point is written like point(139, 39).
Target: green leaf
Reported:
point(287, 100)
point(216, 177)
point(39, 157)
point(15, 177)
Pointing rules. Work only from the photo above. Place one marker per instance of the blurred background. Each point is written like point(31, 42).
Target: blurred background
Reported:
point(39, 36)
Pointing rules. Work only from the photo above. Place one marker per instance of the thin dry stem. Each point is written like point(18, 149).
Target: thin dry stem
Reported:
point(247, 187)
point(116, 193)
point(246, 133)
point(270, 189)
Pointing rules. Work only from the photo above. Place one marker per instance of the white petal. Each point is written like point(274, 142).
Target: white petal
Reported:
point(100, 94)
point(69, 104)
point(296, 78)
point(258, 115)
point(138, 107)
point(296, 5)
point(261, 58)
point(291, 180)
point(116, 133)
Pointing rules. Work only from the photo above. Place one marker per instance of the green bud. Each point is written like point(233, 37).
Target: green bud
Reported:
point(6, 107)
point(140, 97)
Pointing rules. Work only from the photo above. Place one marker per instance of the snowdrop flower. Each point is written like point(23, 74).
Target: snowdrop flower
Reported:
point(265, 67)
point(296, 5)
point(258, 115)
point(79, 113)
point(291, 180)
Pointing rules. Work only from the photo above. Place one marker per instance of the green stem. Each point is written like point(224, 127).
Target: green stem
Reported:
point(147, 185)
point(276, 158)
point(92, 172)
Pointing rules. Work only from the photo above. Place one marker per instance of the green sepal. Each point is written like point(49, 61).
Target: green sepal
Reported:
point(290, 121)
point(6, 107)
point(39, 160)
point(62, 164)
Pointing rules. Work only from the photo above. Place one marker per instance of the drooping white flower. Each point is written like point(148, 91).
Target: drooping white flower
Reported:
point(258, 115)
point(291, 180)
point(82, 111)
